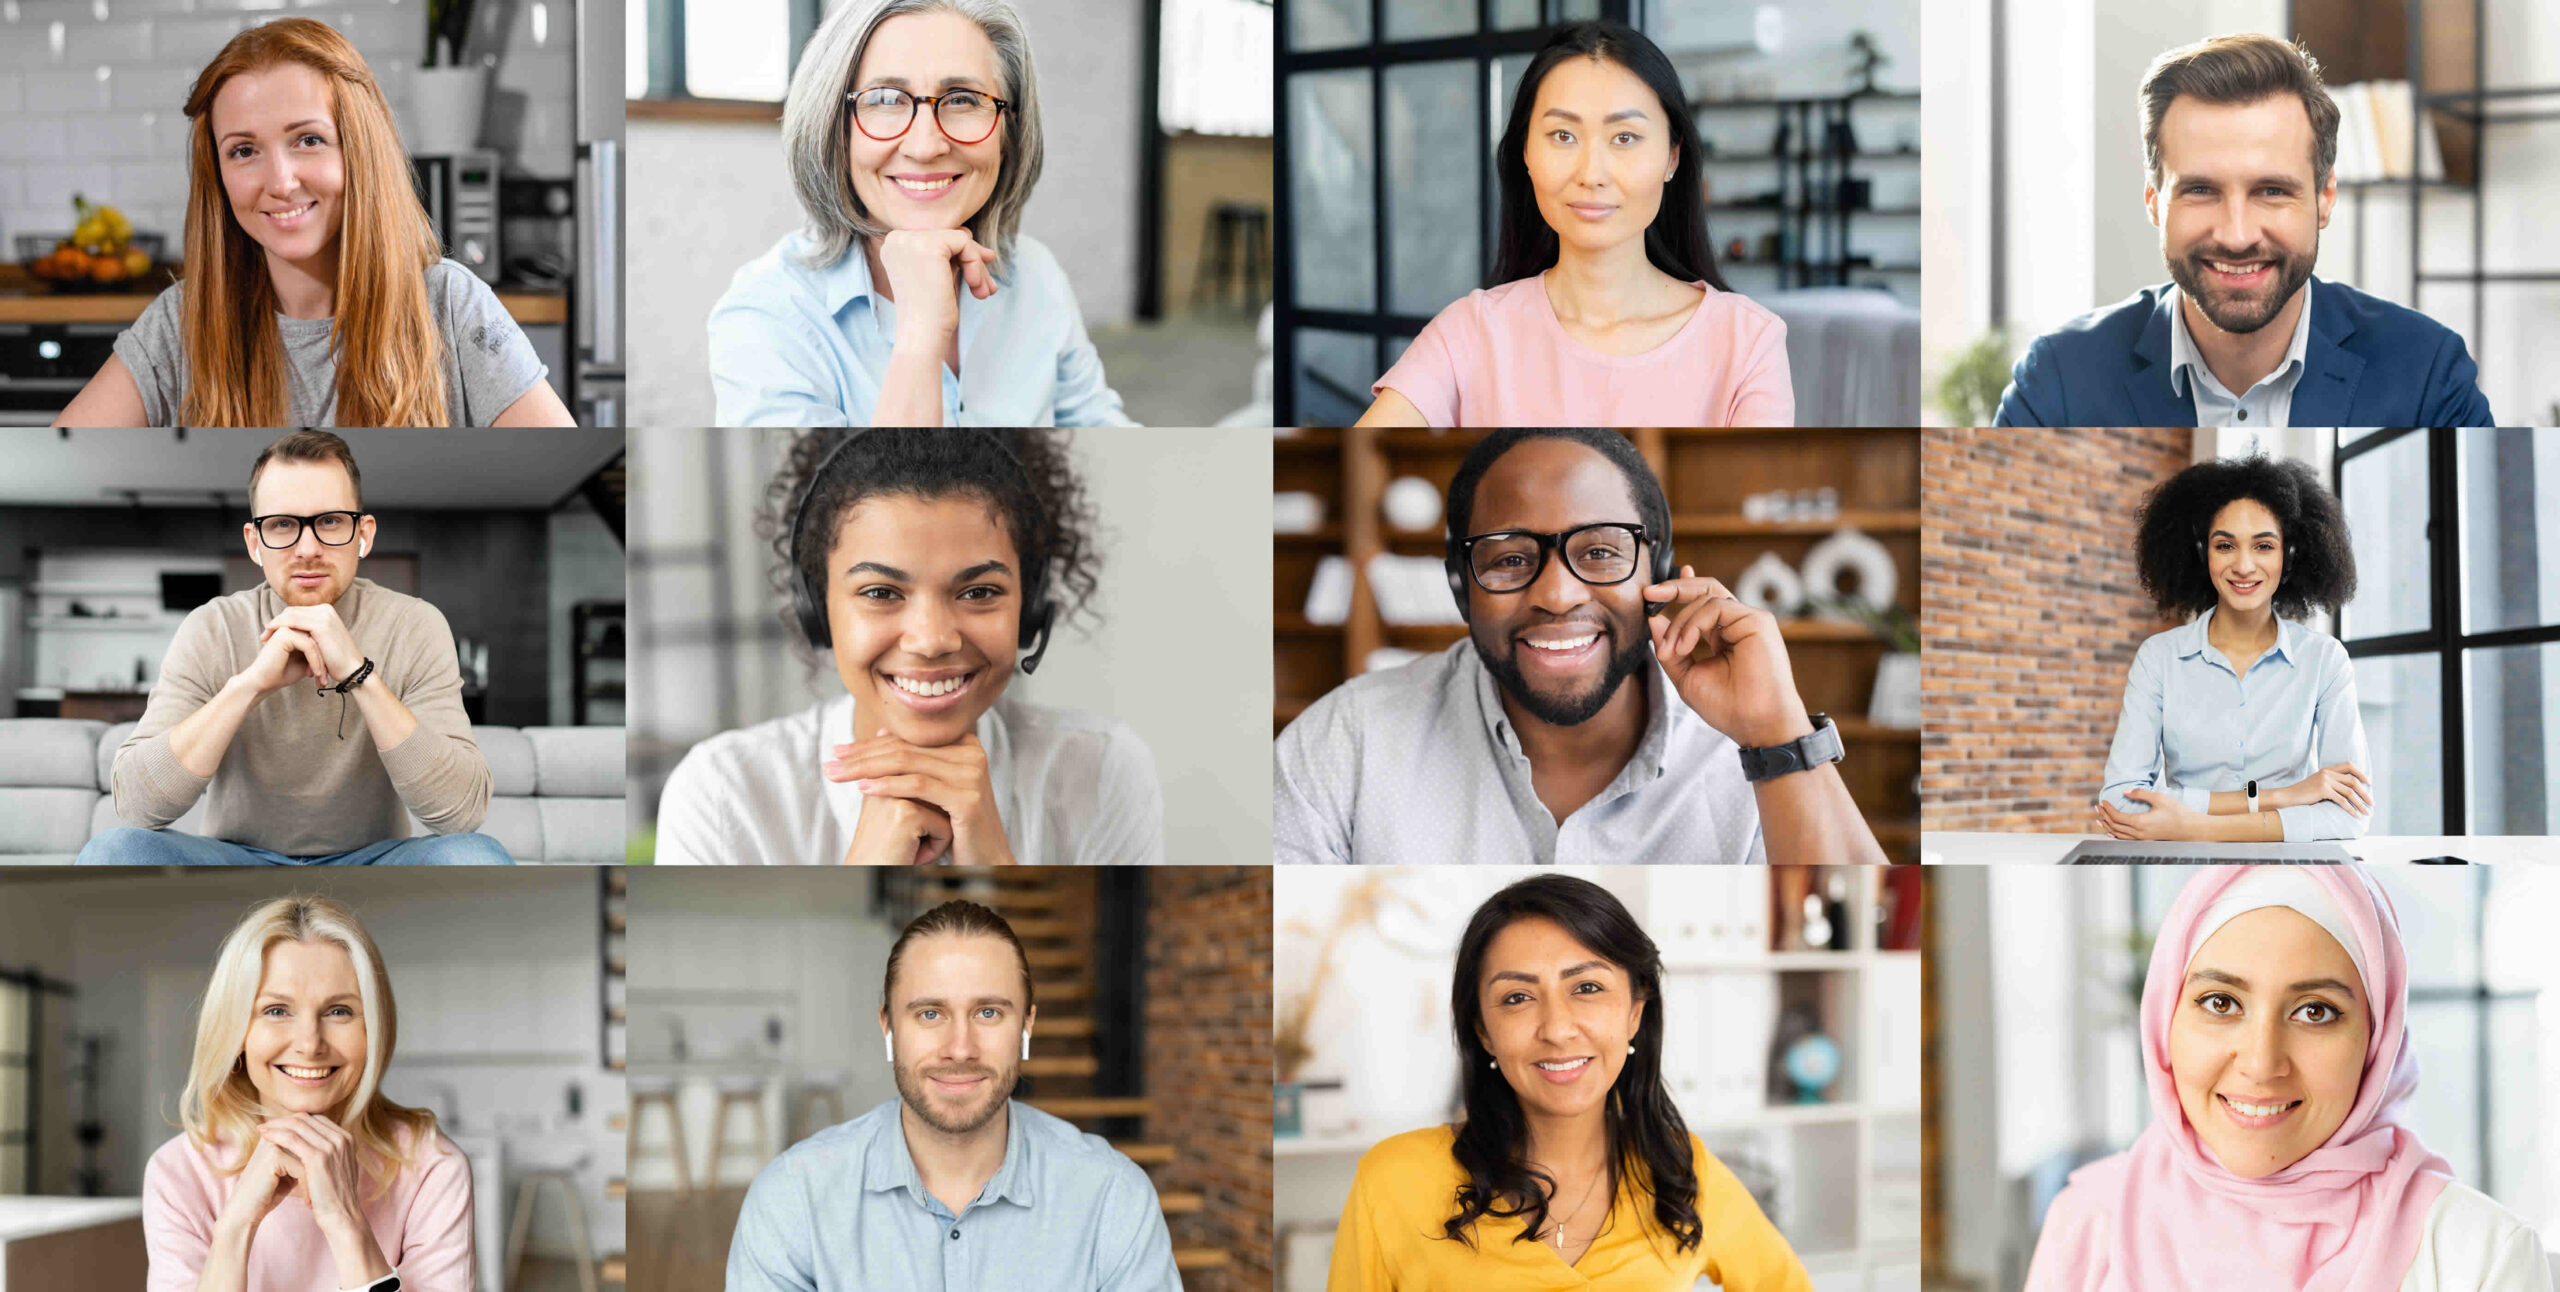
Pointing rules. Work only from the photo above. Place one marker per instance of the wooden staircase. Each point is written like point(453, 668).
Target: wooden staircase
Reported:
point(1053, 911)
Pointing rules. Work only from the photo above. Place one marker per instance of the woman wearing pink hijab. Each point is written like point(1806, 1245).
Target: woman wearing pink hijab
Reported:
point(2275, 1046)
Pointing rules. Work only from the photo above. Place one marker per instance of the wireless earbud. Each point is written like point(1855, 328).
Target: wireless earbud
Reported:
point(1026, 1045)
point(888, 1047)
point(363, 550)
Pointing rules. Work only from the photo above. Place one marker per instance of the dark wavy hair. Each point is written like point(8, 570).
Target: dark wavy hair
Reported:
point(1676, 242)
point(1653, 509)
point(1648, 1143)
point(1051, 520)
point(2319, 562)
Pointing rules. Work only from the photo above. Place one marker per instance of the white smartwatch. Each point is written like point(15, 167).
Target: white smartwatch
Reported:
point(2253, 797)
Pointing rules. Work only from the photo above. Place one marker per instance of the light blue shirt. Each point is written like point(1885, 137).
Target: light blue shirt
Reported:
point(844, 1211)
point(2193, 727)
point(2268, 403)
point(797, 346)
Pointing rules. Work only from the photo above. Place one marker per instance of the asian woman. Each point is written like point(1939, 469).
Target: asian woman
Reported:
point(294, 1171)
point(1604, 306)
point(314, 290)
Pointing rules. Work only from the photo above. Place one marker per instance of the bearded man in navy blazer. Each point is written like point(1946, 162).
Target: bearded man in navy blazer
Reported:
point(2241, 141)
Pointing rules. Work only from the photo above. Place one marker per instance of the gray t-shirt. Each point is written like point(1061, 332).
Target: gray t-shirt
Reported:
point(488, 362)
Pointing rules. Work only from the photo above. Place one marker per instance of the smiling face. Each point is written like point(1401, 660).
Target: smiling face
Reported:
point(309, 573)
point(921, 179)
point(2267, 1045)
point(2244, 552)
point(1598, 153)
point(2239, 220)
point(1556, 1017)
point(924, 597)
point(1560, 647)
point(956, 1023)
point(276, 143)
point(306, 1044)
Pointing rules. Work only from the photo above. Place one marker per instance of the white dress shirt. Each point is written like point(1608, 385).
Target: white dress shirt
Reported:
point(2268, 403)
point(1072, 788)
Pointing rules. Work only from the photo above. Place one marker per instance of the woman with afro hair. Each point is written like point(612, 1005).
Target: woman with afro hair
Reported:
point(2241, 725)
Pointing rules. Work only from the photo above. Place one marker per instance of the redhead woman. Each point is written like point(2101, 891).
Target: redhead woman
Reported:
point(294, 1173)
point(2276, 1047)
point(909, 299)
point(315, 294)
point(1604, 307)
point(1572, 1168)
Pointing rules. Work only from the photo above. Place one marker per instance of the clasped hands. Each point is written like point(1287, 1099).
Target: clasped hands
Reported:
point(922, 803)
point(316, 1159)
point(304, 642)
point(2344, 784)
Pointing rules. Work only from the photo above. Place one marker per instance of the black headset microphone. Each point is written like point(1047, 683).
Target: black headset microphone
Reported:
point(809, 596)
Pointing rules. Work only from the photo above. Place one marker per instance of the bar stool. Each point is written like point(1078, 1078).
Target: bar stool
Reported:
point(1235, 244)
point(811, 1087)
point(563, 1175)
point(736, 1091)
point(661, 1091)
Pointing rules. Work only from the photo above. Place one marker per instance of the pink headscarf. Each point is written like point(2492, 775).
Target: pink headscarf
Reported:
point(2166, 1214)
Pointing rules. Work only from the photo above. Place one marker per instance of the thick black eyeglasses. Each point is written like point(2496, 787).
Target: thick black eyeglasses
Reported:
point(334, 528)
point(885, 112)
point(1508, 560)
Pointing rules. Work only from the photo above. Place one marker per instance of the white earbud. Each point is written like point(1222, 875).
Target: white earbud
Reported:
point(888, 1047)
point(1026, 1045)
point(363, 549)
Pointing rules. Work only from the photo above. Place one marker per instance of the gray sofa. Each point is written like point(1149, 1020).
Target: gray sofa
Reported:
point(556, 792)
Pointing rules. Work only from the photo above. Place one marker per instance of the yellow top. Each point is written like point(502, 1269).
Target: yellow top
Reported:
point(1407, 1188)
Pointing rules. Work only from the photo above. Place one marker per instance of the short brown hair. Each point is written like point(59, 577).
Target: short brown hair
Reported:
point(2240, 69)
point(308, 446)
point(958, 918)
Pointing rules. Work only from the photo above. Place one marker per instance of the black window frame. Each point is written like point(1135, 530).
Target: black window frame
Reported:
point(1380, 324)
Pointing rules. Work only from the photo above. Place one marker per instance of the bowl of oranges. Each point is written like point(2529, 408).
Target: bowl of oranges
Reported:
point(103, 253)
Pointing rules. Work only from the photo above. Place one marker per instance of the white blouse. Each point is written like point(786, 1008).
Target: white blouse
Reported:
point(1072, 789)
point(2472, 1244)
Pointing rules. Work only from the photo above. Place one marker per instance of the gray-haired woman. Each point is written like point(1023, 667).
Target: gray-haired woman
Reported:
point(913, 132)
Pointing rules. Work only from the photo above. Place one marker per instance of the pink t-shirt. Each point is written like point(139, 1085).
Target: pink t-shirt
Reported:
point(1501, 358)
point(422, 1224)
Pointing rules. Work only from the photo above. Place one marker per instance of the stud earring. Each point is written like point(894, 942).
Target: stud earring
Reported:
point(1493, 1063)
point(1631, 1047)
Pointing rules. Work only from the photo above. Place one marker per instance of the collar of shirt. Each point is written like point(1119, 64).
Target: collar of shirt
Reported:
point(2192, 639)
point(848, 283)
point(888, 1166)
point(835, 727)
point(1644, 766)
point(2187, 369)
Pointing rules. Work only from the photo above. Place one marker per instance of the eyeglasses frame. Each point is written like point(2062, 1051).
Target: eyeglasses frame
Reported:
point(303, 523)
point(1548, 545)
point(915, 107)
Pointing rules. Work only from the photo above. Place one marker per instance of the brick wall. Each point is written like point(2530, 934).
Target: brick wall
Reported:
point(1209, 1057)
point(2030, 613)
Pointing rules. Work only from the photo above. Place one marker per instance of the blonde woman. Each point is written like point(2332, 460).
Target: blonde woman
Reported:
point(913, 132)
point(315, 293)
point(294, 1172)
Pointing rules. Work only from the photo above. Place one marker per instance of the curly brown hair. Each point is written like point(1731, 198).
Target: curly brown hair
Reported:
point(1025, 476)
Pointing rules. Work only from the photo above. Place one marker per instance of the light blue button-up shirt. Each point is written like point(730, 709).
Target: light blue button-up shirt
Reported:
point(844, 1211)
point(793, 345)
point(2193, 727)
point(2268, 403)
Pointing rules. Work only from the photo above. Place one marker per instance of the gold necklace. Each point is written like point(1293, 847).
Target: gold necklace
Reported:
point(1585, 1201)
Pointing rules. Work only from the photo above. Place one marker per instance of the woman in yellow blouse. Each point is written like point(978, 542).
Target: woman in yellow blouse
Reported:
point(1572, 1169)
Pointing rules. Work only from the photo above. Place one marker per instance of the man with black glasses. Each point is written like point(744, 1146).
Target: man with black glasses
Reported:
point(1525, 744)
point(318, 710)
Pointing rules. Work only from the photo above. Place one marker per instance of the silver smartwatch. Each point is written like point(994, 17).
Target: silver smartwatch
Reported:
point(1802, 754)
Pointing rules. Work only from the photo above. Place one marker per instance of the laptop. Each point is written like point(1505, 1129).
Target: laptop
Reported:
point(2121, 852)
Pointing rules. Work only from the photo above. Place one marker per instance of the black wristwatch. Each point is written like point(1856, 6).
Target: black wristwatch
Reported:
point(1803, 754)
point(387, 1283)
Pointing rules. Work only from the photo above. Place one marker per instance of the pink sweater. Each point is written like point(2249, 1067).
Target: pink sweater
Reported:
point(1499, 357)
point(423, 1225)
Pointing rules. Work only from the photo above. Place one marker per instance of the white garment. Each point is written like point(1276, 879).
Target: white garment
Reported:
point(2472, 1244)
point(1072, 789)
point(2268, 403)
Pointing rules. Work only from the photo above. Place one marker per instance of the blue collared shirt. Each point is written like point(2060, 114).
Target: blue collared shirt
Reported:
point(2268, 403)
point(2193, 727)
point(793, 345)
point(844, 1211)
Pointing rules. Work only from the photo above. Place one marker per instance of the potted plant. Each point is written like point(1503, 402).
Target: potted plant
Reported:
point(447, 95)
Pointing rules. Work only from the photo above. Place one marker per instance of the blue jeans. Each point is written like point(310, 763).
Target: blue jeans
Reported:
point(127, 846)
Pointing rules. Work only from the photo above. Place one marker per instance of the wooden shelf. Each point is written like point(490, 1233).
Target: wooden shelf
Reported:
point(1724, 525)
point(1328, 534)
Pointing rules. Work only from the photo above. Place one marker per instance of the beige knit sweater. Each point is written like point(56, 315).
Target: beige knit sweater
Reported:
point(289, 783)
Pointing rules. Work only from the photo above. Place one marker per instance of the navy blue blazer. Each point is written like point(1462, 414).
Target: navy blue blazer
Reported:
point(2367, 362)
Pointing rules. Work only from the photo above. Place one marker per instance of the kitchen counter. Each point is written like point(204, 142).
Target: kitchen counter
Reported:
point(70, 1244)
point(24, 300)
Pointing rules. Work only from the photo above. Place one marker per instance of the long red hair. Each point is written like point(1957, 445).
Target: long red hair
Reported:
point(390, 358)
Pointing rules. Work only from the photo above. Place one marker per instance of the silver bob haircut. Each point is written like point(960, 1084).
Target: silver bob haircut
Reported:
point(816, 121)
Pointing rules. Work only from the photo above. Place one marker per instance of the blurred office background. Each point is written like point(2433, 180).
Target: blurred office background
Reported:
point(109, 538)
point(1791, 1016)
point(1810, 113)
point(2034, 179)
point(1155, 193)
point(503, 978)
point(754, 1023)
point(2034, 1066)
point(2031, 621)
point(1180, 653)
point(513, 135)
